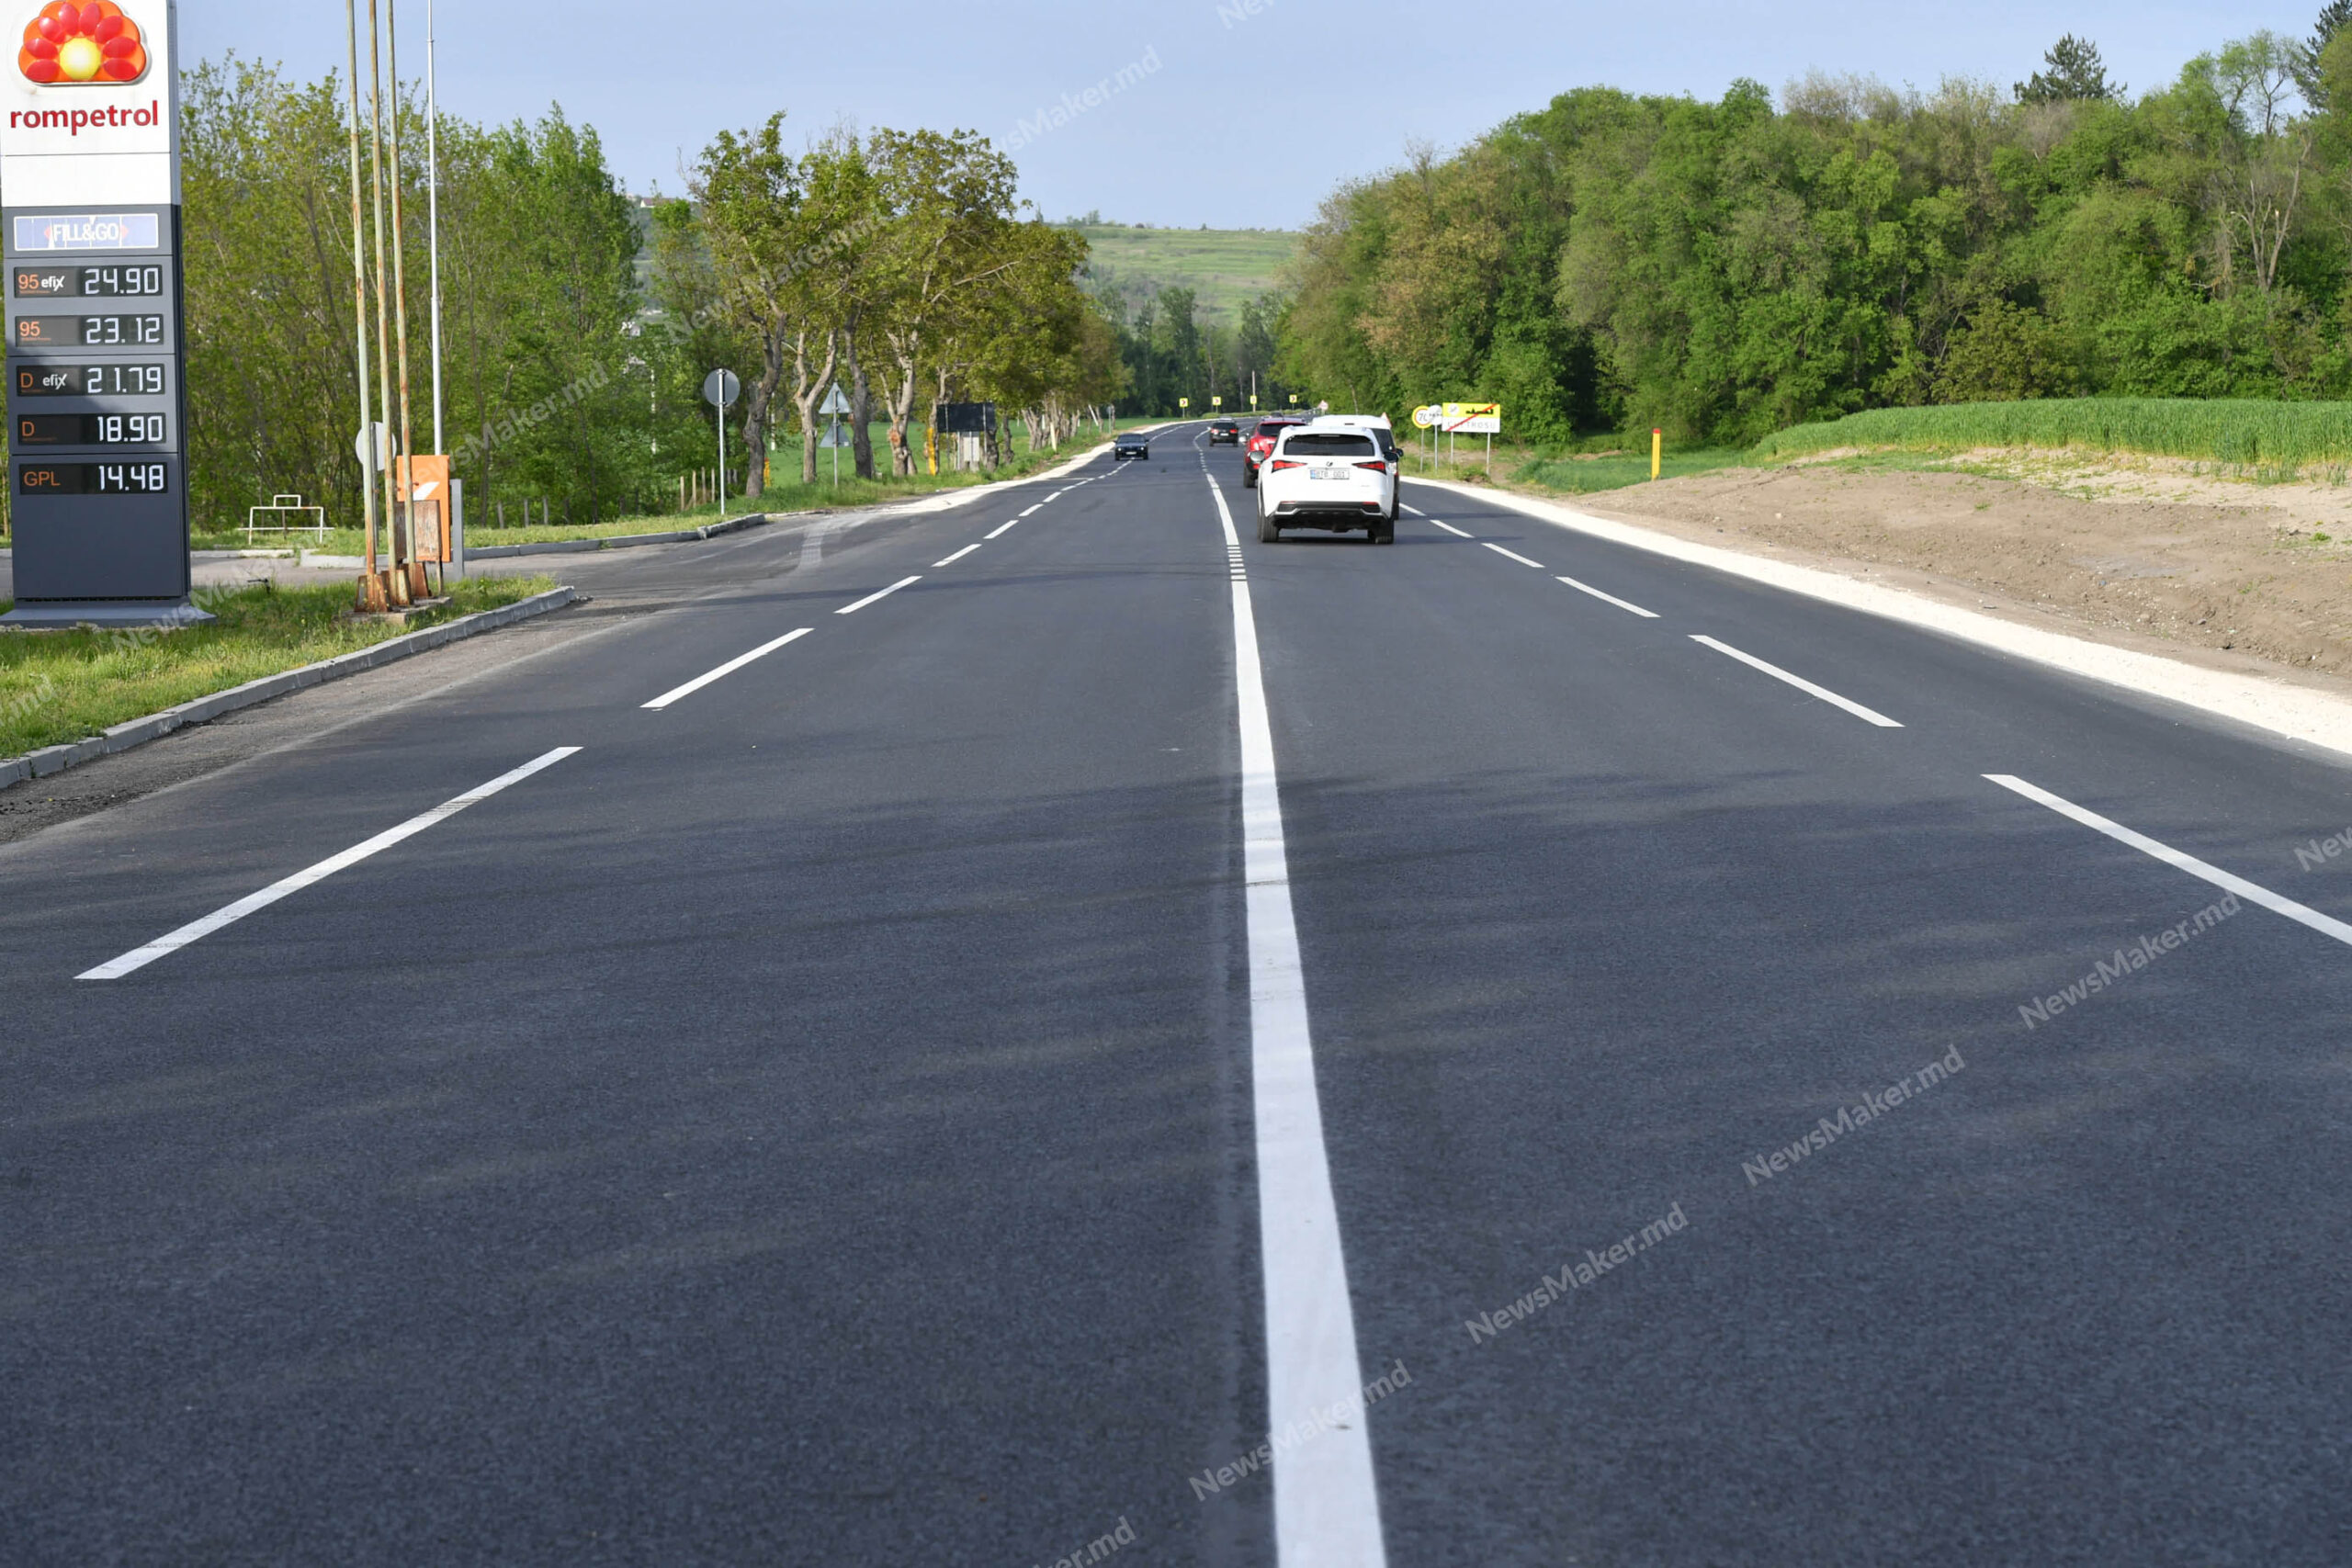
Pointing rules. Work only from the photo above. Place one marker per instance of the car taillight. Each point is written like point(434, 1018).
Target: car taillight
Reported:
point(1279, 464)
point(1377, 466)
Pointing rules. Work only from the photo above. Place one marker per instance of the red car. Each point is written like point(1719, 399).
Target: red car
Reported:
point(1261, 441)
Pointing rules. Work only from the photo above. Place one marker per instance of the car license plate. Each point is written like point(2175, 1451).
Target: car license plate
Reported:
point(1327, 473)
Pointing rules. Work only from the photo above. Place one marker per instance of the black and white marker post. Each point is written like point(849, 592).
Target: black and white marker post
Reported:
point(98, 406)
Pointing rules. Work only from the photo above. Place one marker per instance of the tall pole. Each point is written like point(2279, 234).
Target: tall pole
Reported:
point(404, 546)
point(383, 327)
point(360, 294)
point(722, 455)
point(433, 216)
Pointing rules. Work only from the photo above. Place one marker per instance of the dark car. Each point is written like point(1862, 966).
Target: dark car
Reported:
point(1224, 433)
point(1261, 441)
point(1130, 444)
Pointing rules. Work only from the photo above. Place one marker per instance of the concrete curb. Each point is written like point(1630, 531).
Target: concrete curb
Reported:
point(625, 541)
point(2299, 713)
point(580, 546)
point(139, 732)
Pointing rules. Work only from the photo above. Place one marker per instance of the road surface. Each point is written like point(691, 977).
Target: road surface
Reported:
point(1064, 1004)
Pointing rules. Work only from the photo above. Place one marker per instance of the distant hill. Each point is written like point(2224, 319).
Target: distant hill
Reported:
point(1223, 266)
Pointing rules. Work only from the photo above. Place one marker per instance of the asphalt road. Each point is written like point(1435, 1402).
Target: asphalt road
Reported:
point(840, 1114)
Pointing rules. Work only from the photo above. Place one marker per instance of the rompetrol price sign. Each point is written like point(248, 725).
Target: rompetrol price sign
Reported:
point(89, 170)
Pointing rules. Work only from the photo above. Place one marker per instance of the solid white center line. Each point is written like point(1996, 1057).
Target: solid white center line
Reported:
point(1033, 509)
point(196, 930)
point(2253, 893)
point(1611, 598)
point(1001, 528)
point(1801, 684)
point(870, 598)
point(1326, 1508)
point(1520, 559)
point(699, 682)
point(1449, 527)
point(959, 554)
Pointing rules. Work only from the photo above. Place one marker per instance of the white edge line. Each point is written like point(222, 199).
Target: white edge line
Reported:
point(1611, 598)
point(1327, 1506)
point(196, 930)
point(2253, 893)
point(1457, 532)
point(699, 682)
point(1801, 684)
point(959, 554)
point(994, 531)
point(1520, 558)
point(884, 593)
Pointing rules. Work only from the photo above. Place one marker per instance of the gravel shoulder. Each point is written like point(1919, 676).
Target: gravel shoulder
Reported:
point(2220, 573)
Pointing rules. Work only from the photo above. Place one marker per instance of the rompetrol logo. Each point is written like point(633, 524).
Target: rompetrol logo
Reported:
point(96, 45)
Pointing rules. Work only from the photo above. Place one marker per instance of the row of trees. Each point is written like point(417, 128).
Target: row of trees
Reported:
point(579, 321)
point(899, 265)
point(1727, 269)
point(1168, 353)
point(546, 395)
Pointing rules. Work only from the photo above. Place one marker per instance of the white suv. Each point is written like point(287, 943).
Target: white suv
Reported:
point(1327, 475)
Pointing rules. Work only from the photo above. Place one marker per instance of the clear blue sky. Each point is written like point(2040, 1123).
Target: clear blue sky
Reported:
point(1246, 123)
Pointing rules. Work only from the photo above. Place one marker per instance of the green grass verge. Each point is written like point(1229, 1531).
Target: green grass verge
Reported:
point(61, 687)
point(2265, 440)
point(786, 494)
point(1587, 476)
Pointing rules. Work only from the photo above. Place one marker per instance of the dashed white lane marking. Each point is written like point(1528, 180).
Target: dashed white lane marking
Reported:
point(1056, 496)
point(1520, 558)
point(1611, 598)
point(1457, 532)
point(1801, 684)
point(2253, 893)
point(884, 593)
point(1326, 1507)
point(1001, 528)
point(1033, 509)
point(1414, 510)
point(699, 682)
point(196, 930)
point(959, 554)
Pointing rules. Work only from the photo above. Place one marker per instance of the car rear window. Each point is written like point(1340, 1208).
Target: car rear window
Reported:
point(1318, 445)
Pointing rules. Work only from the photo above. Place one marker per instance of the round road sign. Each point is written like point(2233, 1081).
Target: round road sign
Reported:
point(721, 388)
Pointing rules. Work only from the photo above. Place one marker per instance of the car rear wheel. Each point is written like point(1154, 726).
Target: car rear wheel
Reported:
point(1249, 477)
point(1269, 531)
point(1384, 532)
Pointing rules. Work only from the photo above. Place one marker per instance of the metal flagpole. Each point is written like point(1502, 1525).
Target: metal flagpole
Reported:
point(383, 327)
point(433, 215)
point(359, 304)
point(403, 545)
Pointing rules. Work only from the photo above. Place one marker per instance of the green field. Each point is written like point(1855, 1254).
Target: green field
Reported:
point(2262, 440)
point(1223, 266)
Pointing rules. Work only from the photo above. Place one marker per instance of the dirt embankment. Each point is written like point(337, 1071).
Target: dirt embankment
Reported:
point(2155, 556)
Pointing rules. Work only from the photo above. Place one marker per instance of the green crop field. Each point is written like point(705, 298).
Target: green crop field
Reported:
point(2265, 440)
point(1223, 266)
